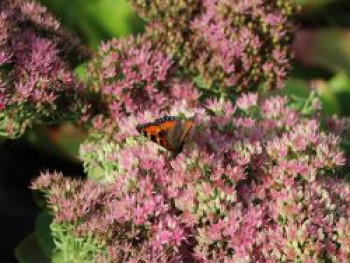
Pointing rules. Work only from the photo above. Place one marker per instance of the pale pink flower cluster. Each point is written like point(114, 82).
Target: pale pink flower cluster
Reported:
point(134, 75)
point(233, 45)
point(261, 185)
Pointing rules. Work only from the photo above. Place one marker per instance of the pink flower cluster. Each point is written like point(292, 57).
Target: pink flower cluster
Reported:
point(231, 44)
point(230, 29)
point(35, 78)
point(133, 75)
point(255, 183)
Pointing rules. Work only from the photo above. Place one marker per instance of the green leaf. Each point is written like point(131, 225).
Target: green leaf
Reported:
point(82, 72)
point(95, 21)
point(314, 3)
point(339, 85)
point(58, 257)
point(29, 251)
point(328, 98)
point(43, 233)
point(301, 88)
point(296, 87)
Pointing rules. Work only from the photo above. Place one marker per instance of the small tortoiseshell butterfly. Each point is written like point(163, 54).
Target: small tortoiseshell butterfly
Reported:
point(168, 131)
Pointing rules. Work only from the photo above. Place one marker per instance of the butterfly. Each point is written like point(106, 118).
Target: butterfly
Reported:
point(168, 131)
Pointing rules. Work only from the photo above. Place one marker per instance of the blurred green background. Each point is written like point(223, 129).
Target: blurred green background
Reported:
point(322, 53)
point(96, 20)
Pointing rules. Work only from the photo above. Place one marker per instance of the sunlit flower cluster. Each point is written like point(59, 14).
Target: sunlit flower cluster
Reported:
point(258, 182)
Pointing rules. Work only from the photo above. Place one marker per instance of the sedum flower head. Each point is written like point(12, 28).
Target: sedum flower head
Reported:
point(232, 45)
point(260, 182)
point(36, 80)
point(133, 75)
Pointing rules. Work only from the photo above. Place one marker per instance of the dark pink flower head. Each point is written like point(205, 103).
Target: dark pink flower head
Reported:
point(244, 187)
point(229, 29)
point(35, 77)
point(233, 45)
point(133, 75)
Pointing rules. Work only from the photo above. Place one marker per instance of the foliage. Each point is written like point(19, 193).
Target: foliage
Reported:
point(95, 21)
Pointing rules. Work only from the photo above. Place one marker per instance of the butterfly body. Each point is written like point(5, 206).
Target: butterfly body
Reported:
point(168, 131)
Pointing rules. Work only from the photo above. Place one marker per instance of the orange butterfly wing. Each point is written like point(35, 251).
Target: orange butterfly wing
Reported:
point(157, 132)
point(178, 136)
point(167, 132)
